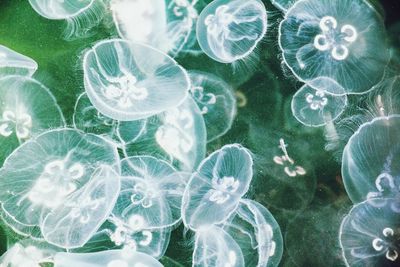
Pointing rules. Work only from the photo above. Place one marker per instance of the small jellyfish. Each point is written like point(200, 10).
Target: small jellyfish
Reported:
point(370, 165)
point(256, 231)
point(369, 235)
point(316, 108)
point(283, 5)
point(216, 248)
point(14, 63)
point(27, 109)
point(76, 220)
point(130, 81)
point(216, 101)
point(214, 190)
point(81, 15)
point(323, 41)
point(228, 31)
point(109, 258)
point(42, 173)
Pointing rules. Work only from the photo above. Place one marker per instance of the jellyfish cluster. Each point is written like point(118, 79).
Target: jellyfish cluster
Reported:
point(161, 133)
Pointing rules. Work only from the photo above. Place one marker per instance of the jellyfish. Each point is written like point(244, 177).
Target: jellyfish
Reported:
point(42, 173)
point(215, 247)
point(14, 63)
point(214, 190)
point(370, 165)
point(216, 102)
point(28, 108)
point(81, 15)
point(283, 5)
point(88, 119)
point(130, 81)
point(178, 136)
point(369, 235)
point(228, 31)
point(317, 107)
point(256, 231)
point(323, 40)
point(109, 258)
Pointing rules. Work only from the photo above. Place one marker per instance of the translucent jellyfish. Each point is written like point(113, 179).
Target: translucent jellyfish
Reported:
point(228, 31)
point(76, 220)
point(88, 119)
point(370, 165)
point(283, 5)
point(324, 40)
point(110, 258)
point(27, 109)
point(42, 173)
point(317, 107)
point(12, 62)
point(214, 190)
point(216, 101)
point(256, 231)
point(178, 136)
point(369, 235)
point(215, 247)
point(81, 15)
point(130, 81)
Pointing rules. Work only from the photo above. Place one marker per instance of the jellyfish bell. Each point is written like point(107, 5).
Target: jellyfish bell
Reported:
point(369, 235)
point(14, 63)
point(228, 31)
point(131, 81)
point(214, 190)
point(283, 5)
point(322, 41)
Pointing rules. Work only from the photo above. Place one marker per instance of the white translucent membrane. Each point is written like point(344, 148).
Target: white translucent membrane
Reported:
point(215, 189)
point(257, 233)
point(27, 109)
point(369, 234)
point(229, 30)
point(88, 119)
point(216, 248)
point(42, 173)
point(110, 258)
point(130, 81)
point(73, 223)
point(316, 108)
point(370, 162)
point(331, 46)
point(12, 62)
point(178, 136)
point(283, 5)
point(216, 102)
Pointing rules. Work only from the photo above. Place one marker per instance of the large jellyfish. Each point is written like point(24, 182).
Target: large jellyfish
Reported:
point(370, 162)
point(317, 107)
point(41, 174)
point(215, 189)
point(369, 235)
point(27, 109)
point(337, 46)
point(130, 81)
point(228, 31)
point(12, 62)
point(216, 101)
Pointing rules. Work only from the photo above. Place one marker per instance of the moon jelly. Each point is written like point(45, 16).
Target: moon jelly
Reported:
point(228, 31)
point(130, 81)
point(12, 62)
point(370, 162)
point(369, 235)
point(317, 107)
point(337, 46)
point(214, 190)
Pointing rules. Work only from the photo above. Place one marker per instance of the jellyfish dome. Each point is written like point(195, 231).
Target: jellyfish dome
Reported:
point(369, 235)
point(370, 162)
point(215, 189)
point(130, 81)
point(14, 63)
point(337, 46)
point(316, 108)
point(228, 31)
point(283, 5)
point(41, 174)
